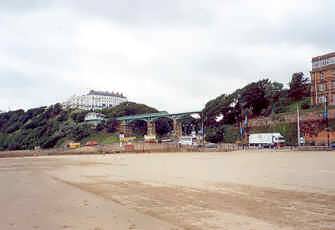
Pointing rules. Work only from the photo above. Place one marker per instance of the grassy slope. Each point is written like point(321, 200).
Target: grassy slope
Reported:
point(102, 138)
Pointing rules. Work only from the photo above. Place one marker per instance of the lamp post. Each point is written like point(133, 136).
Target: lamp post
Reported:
point(197, 116)
point(203, 128)
point(326, 118)
point(298, 126)
point(202, 117)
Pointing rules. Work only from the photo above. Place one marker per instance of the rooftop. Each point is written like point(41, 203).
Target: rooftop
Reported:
point(106, 93)
point(325, 56)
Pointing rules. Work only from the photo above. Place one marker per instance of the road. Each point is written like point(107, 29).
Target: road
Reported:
point(237, 190)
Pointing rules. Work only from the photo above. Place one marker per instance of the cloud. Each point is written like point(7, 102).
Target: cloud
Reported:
point(174, 55)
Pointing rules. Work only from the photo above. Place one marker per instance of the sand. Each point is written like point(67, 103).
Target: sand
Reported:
point(237, 190)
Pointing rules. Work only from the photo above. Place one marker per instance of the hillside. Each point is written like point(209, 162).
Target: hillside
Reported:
point(257, 99)
point(51, 126)
point(48, 127)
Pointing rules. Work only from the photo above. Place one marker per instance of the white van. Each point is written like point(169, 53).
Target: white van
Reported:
point(188, 140)
point(266, 139)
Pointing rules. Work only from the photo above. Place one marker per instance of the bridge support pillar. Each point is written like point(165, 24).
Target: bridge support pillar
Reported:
point(125, 129)
point(151, 131)
point(177, 127)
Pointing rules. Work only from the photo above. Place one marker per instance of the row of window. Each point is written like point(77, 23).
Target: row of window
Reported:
point(95, 102)
point(322, 76)
point(323, 87)
point(98, 98)
point(323, 99)
point(92, 105)
point(323, 62)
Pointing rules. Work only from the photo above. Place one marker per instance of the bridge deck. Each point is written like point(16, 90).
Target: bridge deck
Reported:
point(152, 116)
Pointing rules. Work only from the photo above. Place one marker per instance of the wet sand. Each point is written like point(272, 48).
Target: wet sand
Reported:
point(237, 190)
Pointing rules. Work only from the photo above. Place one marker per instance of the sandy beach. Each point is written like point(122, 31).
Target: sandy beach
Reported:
point(236, 190)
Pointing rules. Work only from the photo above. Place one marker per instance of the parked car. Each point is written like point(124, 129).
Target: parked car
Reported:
point(211, 145)
point(188, 141)
point(166, 140)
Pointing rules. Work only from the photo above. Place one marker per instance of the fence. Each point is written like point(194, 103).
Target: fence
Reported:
point(116, 148)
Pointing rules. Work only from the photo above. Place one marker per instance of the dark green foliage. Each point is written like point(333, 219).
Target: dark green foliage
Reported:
point(163, 126)
point(63, 116)
point(306, 104)
point(35, 122)
point(215, 134)
point(12, 128)
point(189, 124)
point(52, 111)
point(231, 134)
point(43, 126)
point(280, 102)
point(299, 87)
point(80, 132)
point(112, 125)
point(257, 98)
point(100, 127)
point(127, 109)
point(10, 122)
point(48, 126)
point(139, 127)
point(261, 98)
point(79, 116)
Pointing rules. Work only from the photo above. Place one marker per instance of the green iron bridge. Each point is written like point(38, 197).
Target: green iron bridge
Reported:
point(150, 119)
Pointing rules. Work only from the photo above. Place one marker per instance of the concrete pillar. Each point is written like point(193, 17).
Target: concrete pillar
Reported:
point(125, 129)
point(177, 127)
point(151, 128)
point(122, 127)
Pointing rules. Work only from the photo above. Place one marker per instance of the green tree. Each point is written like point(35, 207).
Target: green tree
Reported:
point(163, 126)
point(255, 97)
point(127, 109)
point(299, 87)
point(112, 125)
point(80, 132)
point(79, 116)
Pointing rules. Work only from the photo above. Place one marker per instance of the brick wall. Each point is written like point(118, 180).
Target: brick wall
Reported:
point(289, 118)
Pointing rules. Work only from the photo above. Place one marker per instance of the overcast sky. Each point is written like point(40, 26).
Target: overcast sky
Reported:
point(174, 55)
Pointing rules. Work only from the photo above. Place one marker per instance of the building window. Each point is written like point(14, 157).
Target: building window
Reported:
point(322, 99)
point(322, 76)
point(321, 87)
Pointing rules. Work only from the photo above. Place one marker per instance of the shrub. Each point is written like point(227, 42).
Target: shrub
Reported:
point(79, 116)
point(80, 132)
point(112, 125)
point(305, 105)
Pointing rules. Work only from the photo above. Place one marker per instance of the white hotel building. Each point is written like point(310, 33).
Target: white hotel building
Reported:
point(95, 100)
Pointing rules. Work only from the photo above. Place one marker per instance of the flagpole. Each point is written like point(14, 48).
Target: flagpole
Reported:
point(298, 125)
point(327, 119)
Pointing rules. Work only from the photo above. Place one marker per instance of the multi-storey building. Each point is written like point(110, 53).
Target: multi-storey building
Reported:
point(96, 100)
point(323, 79)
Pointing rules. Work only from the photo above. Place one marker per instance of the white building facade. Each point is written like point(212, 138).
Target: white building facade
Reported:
point(96, 100)
point(94, 118)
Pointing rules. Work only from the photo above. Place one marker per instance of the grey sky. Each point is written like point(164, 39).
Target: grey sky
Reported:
point(174, 55)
